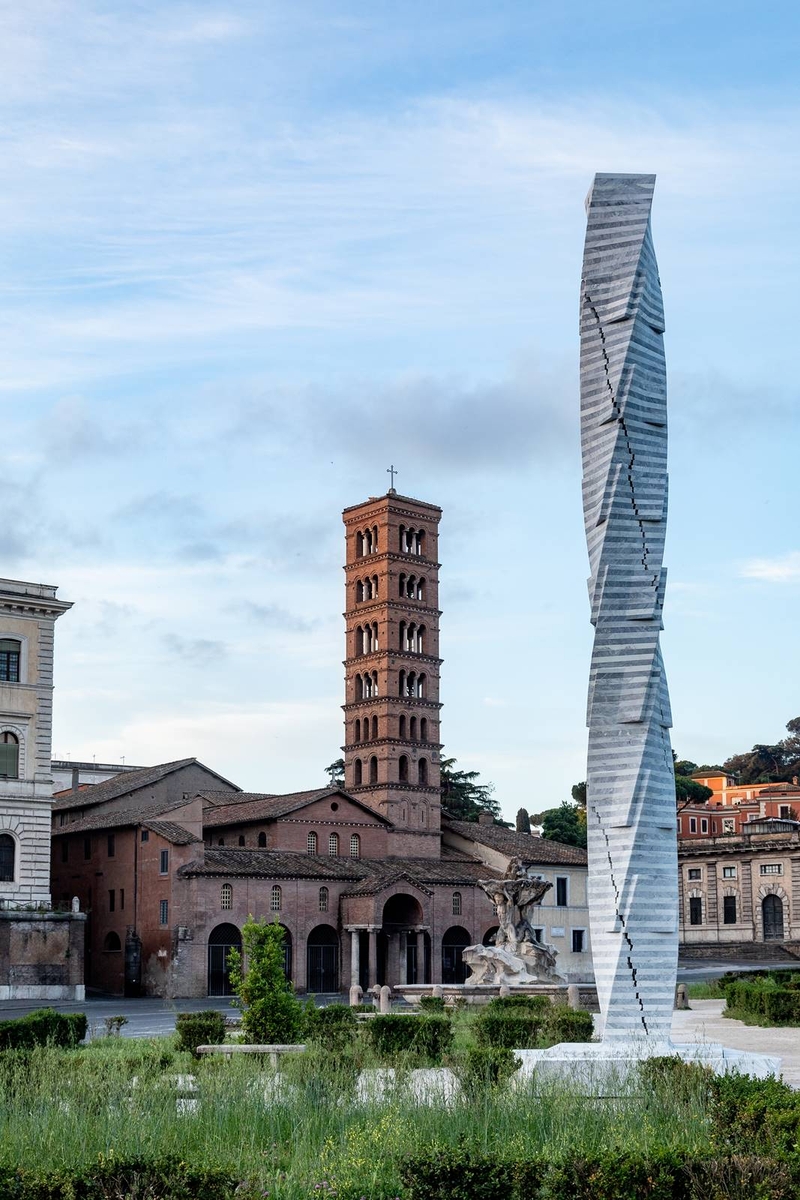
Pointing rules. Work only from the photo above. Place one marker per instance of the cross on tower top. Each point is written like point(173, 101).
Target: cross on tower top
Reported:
point(392, 471)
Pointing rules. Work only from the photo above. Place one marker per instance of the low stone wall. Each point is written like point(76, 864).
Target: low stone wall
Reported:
point(739, 951)
point(41, 955)
point(583, 995)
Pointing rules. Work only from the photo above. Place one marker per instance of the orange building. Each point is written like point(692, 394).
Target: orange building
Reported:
point(732, 805)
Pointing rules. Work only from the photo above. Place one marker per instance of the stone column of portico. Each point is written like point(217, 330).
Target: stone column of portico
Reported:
point(413, 941)
point(373, 957)
point(354, 956)
point(402, 966)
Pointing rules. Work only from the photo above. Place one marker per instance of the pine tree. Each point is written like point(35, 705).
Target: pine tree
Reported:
point(523, 821)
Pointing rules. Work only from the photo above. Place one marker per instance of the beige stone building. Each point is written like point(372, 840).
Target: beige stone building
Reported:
point(41, 952)
point(741, 891)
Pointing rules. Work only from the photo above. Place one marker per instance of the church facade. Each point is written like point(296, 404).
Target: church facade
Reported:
point(369, 881)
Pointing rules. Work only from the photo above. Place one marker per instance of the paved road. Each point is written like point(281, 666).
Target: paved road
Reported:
point(146, 1017)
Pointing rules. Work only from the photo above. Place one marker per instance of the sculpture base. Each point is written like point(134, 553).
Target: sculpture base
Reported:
point(595, 1067)
point(482, 993)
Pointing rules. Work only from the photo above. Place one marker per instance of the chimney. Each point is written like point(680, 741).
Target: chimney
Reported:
point(794, 780)
point(485, 818)
point(76, 787)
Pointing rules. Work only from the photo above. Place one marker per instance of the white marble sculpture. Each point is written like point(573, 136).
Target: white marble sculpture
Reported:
point(517, 956)
point(630, 810)
point(632, 843)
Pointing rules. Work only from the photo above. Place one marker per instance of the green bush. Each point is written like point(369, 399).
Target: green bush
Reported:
point(45, 1027)
point(782, 1006)
point(568, 1024)
point(142, 1179)
point(271, 1013)
point(395, 1035)
point(334, 1027)
point(760, 1114)
point(206, 1028)
point(520, 1031)
point(432, 1004)
point(455, 1173)
point(512, 1004)
point(481, 1067)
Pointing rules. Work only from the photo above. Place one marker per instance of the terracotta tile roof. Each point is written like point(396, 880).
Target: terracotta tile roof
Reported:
point(127, 781)
point(366, 875)
point(423, 872)
point(262, 806)
point(521, 845)
point(273, 864)
point(118, 819)
point(172, 832)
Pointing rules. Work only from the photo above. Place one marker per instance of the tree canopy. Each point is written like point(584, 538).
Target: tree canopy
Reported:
point(523, 822)
point(335, 773)
point(565, 824)
point(463, 798)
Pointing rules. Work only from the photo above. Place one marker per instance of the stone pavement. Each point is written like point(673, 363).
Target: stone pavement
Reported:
point(704, 1022)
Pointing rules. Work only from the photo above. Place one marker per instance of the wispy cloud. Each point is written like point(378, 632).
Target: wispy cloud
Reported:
point(784, 568)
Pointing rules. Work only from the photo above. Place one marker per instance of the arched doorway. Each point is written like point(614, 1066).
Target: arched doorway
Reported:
point(402, 945)
point(490, 935)
point(454, 969)
point(322, 955)
point(772, 913)
point(222, 939)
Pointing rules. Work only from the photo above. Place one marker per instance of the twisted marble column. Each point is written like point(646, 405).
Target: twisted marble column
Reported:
point(633, 880)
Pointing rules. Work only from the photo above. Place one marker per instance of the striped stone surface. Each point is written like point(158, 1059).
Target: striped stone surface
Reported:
point(632, 842)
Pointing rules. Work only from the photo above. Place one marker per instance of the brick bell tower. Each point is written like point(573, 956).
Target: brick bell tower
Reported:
point(392, 745)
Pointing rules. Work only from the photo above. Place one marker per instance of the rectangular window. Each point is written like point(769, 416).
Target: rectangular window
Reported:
point(729, 910)
point(785, 811)
point(695, 873)
point(729, 872)
point(695, 910)
point(111, 900)
point(164, 863)
point(680, 827)
point(538, 935)
point(578, 936)
point(9, 661)
point(121, 899)
point(561, 891)
point(87, 847)
point(64, 850)
point(692, 824)
point(729, 825)
point(163, 912)
point(771, 868)
point(145, 835)
point(111, 845)
point(704, 824)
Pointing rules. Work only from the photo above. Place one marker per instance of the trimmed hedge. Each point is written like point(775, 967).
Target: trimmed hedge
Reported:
point(142, 1179)
point(773, 997)
point(481, 1067)
point(206, 1028)
point(334, 1027)
point(46, 1027)
point(522, 1025)
point(454, 1173)
point(396, 1034)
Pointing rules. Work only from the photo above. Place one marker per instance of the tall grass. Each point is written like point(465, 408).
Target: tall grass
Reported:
point(308, 1135)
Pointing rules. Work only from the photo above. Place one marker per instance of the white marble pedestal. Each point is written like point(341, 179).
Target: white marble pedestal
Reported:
point(595, 1066)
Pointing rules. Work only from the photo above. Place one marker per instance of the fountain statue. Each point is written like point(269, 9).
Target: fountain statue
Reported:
point(517, 956)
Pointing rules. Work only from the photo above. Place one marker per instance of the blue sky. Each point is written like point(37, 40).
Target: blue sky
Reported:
point(251, 254)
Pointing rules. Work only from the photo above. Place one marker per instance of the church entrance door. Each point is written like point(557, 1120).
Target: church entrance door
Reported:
point(222, 939)
point(323, 960)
